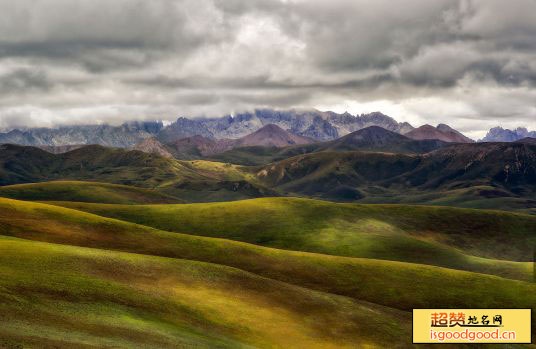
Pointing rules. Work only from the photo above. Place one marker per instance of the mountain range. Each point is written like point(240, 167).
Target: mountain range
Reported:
point(371, 139)
point(122, 136)
point(221, 133)
point(271, 143)
point(320, 126)
point(345, 169)
point(499, 134)
point(198, 146)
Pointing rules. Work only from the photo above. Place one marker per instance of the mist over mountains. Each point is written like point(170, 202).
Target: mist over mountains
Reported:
point(313, 124)
point(320, 126)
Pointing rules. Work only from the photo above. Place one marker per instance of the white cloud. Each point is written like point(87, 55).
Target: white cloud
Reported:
point(469, 63)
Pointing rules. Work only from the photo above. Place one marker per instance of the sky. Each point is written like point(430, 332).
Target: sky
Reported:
point(468, 63)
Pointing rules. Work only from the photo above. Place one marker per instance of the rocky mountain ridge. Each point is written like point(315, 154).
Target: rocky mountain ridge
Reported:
point(123, 136)
point(200, 146)
point(499, 134)
point(314, 124)
point(320, 126)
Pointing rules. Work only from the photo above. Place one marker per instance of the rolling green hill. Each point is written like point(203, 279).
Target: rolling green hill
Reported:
point(482, 241)
point(85, 192)
point(113, 285)
point(95, 298)
point(334, 274)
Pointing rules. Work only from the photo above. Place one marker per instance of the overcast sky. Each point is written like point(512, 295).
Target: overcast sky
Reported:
point(468, 63)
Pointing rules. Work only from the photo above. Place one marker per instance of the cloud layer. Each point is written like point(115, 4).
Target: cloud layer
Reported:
point(471, 63)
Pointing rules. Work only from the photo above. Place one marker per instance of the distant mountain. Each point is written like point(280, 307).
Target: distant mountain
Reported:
point(321, 126)
point(373, 138)
point(272, 136)
point(442, 132)
point(499, 134)
point(153, 146)
point(123, 136)
point(378, 138)
point(197, 147)
point(183, 128)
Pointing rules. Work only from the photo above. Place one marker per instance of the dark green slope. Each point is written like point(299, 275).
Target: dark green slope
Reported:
point(509, 169)
point(345, 175)
point(508, 165)
point(492, 175)
point(182, 179)
point(85, 192)
point(20, 164)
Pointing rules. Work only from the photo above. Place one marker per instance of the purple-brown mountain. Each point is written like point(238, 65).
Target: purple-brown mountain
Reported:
point(272, 136)
point(370, 139)
point(442, 132)
point(153, 146)
point(200, 146)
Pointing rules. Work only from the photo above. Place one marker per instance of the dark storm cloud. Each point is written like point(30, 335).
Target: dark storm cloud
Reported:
point(25, 80)
point(195, 57)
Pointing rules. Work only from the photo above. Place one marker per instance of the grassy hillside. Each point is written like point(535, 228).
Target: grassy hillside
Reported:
point(94, 298)
point(181, 179)
point(338, 175)
point(247, 295)
point(450, 176)
point(475, 240)
point(388, 283)
point(352, 176)
point(85, 192)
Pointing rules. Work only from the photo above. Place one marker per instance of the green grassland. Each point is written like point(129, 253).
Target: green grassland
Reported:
point(491, 242)
point(95, 298)
point(85, 192)
point(322, 272)
point(74, 279)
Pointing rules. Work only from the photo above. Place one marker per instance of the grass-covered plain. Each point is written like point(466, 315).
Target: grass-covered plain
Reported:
point(490, 242)
point(85, 192)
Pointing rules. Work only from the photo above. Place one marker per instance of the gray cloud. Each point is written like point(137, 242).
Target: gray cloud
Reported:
point(471, 63)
